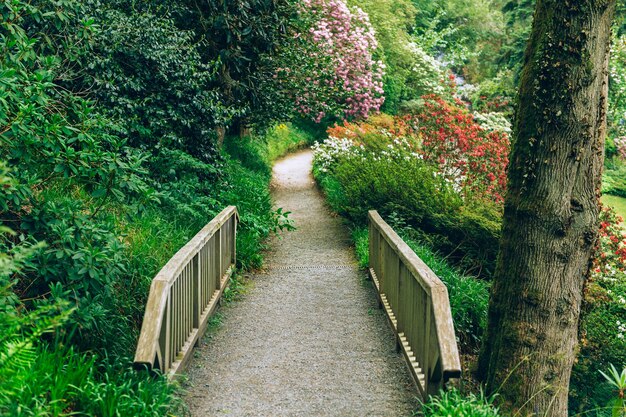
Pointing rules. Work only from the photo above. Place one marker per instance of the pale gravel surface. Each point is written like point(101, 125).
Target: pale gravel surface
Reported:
point(307, 339)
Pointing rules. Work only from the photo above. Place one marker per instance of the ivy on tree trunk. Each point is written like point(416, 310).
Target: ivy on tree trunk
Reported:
point(551, 210)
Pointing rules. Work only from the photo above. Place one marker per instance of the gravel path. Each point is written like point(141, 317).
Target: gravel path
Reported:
point(308, 339)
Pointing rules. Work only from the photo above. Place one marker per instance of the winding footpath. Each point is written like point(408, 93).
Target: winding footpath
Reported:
point(308, 338)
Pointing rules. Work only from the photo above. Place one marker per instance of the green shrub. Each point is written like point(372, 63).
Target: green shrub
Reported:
point(603, 342)
point(356, 181)
point(388, 184)
point(453, 403)
point(250, 151)
point(360, 237)
point(614, 178)
point(61, 381)
point(151, 79)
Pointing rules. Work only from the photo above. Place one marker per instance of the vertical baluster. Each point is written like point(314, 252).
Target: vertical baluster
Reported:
point(234, 243)
point(420, 331)
point(175, 320)
point(196, 292)
point(211, 267)
point(372, 245)
point(402, 300)
point(186, 304)
point(206, 274)
point(179, 310)
point(172, 322)
point(225, 249)
point(429, 338)
point(167, 342)
point(218, 258)
point(190, 309)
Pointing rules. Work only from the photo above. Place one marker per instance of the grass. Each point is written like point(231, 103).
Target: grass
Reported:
point(618, 203)
point(453, 403)
point(285, 138)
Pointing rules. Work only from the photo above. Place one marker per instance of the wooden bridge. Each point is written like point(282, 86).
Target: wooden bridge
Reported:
point(187, 290)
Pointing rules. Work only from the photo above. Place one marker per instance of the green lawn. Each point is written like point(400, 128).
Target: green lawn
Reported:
point(618, 203)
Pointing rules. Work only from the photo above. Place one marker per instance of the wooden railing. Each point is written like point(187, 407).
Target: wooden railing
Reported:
point(417, 304)
point(185, 293)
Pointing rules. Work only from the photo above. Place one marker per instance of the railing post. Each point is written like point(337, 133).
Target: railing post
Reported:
point(428, 340)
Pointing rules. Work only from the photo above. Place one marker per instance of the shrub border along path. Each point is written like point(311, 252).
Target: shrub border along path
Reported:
point(309, 338)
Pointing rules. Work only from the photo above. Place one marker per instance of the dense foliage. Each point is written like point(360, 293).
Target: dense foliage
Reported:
point(112, 155)
point(107, 126)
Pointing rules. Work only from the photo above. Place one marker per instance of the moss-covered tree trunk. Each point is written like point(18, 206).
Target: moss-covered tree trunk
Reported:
point(551, 210)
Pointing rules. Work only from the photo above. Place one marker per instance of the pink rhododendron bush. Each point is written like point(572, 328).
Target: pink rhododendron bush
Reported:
point(330, 69)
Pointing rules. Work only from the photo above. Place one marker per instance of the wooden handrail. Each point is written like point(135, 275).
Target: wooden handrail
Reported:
point(418, 307)
point(185, 293)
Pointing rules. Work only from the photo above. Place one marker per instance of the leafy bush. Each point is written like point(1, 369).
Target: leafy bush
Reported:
point(603, 342)
point(614, 178)
point(151, 80)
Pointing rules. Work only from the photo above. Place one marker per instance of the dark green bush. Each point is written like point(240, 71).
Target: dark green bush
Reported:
point(603, 342)
point(466, 232)
point(389, 184)
point(614, 177)
point(151, 81)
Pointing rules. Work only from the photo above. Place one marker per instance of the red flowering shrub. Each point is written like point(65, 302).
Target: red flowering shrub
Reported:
point(474, 159)
point(471, 158)
point(610, 256)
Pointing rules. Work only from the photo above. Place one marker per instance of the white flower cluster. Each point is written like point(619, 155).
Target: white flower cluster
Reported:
point(327, 153)
point(493, 122)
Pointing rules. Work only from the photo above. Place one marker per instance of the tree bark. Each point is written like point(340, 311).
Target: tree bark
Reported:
point(551, 209)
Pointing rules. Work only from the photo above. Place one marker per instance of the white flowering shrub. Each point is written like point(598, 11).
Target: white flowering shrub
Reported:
point(493, 122)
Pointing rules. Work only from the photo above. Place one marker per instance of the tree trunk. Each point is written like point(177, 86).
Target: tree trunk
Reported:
point(221, 134)
point(551, 210)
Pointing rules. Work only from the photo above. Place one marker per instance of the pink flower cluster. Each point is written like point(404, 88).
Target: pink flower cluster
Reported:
point(346, 36)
